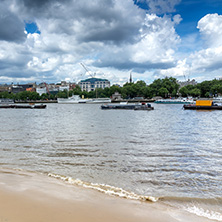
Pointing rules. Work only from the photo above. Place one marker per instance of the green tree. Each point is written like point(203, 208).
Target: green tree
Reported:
point(44, 96)
point(7, 95)
point(159, 87)
point(62, 94)
point(216, 88)
point(34, 96)
point(195, 92)
point(129, 90)
point(163, 92)
point(76, 91)
point(184, 91)
point(204, 87)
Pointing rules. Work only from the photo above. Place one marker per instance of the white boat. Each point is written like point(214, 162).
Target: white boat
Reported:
point(101, 100)
point(176, 101)
point(75, 99)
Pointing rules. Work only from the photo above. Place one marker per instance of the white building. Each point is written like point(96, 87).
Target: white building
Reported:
point(41, 90)
point(92, 83)
point(62, 88)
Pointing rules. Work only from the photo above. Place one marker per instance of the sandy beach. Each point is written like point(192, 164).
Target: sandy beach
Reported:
point(32, 197)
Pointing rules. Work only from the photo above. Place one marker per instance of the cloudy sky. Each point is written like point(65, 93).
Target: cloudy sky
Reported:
point(47, 40)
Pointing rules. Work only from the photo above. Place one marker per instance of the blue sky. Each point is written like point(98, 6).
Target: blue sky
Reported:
point(192, 11)
point(31, 27)
point(47, 40)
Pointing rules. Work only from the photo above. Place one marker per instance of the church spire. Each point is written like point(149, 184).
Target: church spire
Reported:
point(130, 80)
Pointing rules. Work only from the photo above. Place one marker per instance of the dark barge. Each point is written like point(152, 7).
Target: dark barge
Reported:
point(17, 106)
point(127, 106)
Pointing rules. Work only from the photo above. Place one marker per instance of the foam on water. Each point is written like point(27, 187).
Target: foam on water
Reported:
point(210, 214)
point(104, 188)
point(209, 208)
point(182, 203)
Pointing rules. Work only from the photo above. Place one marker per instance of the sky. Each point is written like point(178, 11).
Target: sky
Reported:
point(48, 40)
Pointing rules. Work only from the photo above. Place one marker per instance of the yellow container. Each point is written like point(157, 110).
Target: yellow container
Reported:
point(204, 103)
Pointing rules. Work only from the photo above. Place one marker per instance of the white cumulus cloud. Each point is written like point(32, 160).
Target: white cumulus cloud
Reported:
point(207, 61)
point(210, 27)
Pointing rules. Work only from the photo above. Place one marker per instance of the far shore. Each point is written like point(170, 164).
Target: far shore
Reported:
point(113, 101)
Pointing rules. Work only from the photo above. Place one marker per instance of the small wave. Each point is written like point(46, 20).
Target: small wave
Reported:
point(203, 207)
point(210, 214)
point(104, 188)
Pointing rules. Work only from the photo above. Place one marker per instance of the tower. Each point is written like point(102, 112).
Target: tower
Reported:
point(130, 80)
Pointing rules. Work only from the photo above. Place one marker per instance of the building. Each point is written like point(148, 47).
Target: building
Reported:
point(41, 90)
point(62, 88)
point(53, 89)
point(66, 86)
point(17, 89)
point(93, 83)
point(116, 96)
point(188, 82)
point(131, 79)
point(5, 88)
point(22, 87)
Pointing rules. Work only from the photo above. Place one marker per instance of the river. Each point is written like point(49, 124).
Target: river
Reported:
point(169, 154)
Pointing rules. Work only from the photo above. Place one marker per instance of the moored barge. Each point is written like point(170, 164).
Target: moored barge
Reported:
point(17, 106)
point(127, 106)
point(204, 105)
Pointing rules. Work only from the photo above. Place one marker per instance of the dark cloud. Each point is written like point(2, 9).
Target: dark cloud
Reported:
point(107, 22)
point(40, 4)
point(94, 21)
point(116, 34)
point(11, 27)
point(35, 3)
point(18, 63)
point(136, 67)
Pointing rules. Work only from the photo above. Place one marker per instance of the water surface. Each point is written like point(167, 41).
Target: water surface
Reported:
point(168, 152)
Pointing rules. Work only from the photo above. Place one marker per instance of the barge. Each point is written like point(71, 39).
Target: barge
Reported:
point(204, 105)
point(17, 106)
point(127, 106)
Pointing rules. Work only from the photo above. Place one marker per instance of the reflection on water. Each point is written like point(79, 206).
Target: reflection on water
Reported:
point(165, 152)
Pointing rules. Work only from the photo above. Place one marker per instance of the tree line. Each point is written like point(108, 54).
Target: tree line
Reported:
point(166, 87)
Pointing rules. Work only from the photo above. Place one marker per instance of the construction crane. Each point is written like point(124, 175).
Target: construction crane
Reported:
point(92, 75)
point(47, 88)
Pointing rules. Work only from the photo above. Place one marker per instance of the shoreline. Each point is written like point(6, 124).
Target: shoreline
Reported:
point(26, 196)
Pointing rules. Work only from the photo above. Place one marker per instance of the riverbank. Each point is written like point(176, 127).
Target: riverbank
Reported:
point(26, 197)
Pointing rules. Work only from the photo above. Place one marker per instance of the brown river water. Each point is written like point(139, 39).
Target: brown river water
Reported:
point(167, 154)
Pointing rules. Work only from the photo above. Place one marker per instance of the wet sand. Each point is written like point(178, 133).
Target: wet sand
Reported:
point(26, 197)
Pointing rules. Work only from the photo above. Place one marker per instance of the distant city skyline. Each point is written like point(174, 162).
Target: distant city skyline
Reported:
point(46, 41)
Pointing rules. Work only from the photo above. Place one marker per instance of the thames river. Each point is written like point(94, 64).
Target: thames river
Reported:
point(169, 154)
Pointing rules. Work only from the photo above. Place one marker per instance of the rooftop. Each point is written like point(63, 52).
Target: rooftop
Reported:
point(93, 80)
